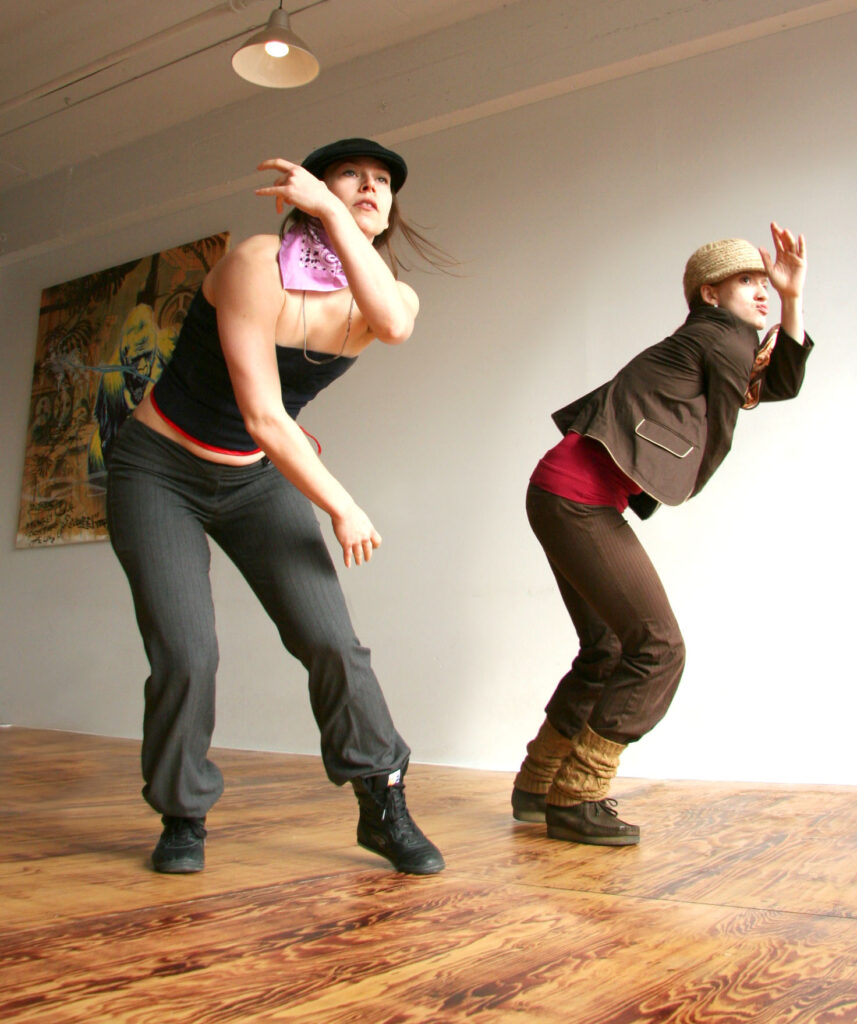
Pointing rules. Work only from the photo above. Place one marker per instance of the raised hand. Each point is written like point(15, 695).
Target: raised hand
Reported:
point(787, 273)
point(295, 187)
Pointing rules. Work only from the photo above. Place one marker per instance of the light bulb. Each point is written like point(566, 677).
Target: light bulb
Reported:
point(274, 48)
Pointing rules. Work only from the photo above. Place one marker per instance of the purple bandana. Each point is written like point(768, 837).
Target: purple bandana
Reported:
point(307, 261)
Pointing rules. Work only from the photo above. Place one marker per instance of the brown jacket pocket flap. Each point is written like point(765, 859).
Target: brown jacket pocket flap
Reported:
point(665, 438)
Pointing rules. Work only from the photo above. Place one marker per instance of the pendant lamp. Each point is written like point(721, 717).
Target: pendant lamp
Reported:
point(276, 57)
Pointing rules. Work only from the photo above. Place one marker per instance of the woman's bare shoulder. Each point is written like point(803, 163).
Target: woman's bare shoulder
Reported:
point(256, 256)
point(260, 248)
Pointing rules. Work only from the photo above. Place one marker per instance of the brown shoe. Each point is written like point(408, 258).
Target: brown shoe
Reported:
point(528, 806)
point(594, 822)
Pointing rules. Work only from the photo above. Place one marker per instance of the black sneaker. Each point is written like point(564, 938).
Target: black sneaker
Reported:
point(528, 806)
point(386, 827)
point(594, 822)
point(181, 848)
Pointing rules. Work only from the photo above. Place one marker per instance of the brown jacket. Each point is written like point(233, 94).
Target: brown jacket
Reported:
point(668, 416)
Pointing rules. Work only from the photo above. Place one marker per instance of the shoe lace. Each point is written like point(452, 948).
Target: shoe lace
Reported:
point(608, 806)
point(397, 814)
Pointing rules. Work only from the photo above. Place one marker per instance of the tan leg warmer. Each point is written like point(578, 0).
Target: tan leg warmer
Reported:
point(545, 754)
point(587, 771)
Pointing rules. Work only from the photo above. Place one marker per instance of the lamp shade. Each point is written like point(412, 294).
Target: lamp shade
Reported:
point(255, 62)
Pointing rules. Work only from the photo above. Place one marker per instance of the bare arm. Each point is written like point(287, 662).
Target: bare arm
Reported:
point(245, 289)
point(389, 306)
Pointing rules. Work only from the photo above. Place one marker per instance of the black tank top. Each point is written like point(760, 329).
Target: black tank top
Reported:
point(194, 392)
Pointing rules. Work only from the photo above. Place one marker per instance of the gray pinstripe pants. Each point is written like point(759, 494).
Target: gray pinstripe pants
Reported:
point(631, 650)
point(162, 505)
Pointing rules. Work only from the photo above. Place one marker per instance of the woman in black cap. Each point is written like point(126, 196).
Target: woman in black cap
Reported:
point(215, 450)
point(654, 433)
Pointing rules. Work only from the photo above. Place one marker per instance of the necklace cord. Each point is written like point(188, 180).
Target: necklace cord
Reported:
point(330, 359)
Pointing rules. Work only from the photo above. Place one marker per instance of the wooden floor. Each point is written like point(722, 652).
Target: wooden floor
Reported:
point(739, 906)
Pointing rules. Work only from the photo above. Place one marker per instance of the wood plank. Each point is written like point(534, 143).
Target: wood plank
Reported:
point(429, 949)
point(740, 905)
point(766, 847)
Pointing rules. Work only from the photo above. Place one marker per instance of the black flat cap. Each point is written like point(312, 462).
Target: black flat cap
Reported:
point(320, 159)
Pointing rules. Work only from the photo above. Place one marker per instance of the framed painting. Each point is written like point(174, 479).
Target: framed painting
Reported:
point(101, 344)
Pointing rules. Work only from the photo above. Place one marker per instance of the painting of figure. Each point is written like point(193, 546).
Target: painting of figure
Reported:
point(101, 344)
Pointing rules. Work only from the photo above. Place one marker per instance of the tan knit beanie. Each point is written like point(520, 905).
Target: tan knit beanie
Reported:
point(716, 261)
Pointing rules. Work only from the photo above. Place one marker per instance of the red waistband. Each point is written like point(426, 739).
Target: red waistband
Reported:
point(214, 448)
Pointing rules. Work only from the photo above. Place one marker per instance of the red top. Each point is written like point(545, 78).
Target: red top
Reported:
point(580, 469)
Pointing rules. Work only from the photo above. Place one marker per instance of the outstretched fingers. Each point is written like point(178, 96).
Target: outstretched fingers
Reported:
point(786, 243)
point(786, 270)
point(276, 163)
point(287, 169)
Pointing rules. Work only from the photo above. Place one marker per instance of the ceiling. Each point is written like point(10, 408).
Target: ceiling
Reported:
point(81, 77)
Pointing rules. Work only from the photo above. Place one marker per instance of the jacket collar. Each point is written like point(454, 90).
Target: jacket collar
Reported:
point(724, 319)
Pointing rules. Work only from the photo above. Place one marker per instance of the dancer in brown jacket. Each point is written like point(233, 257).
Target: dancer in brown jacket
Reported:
point(654, 433)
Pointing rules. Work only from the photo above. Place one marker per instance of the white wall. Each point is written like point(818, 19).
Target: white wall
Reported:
point(573, 217)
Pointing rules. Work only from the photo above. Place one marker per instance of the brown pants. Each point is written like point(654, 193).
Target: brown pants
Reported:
point(631, 650)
